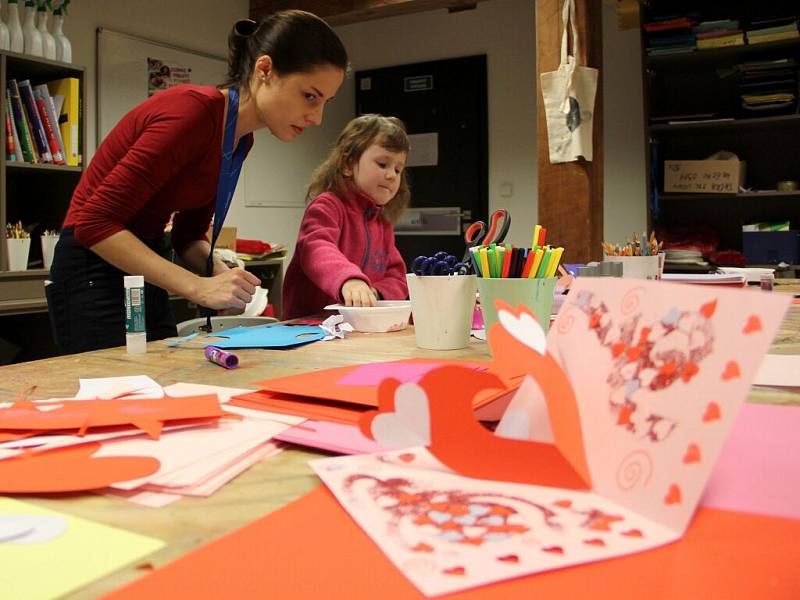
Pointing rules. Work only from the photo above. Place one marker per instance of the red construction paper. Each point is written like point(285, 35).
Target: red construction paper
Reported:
point(147, 414)
point(312, 549)
point(70, 469)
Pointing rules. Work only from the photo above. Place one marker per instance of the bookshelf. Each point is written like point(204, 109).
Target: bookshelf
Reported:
point(34, 193)
point(695, 106)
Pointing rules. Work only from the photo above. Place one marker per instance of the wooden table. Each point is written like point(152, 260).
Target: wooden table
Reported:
point(192, 522)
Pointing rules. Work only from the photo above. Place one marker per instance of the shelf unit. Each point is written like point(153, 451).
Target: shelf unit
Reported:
point(706, 81)
point(34, 193)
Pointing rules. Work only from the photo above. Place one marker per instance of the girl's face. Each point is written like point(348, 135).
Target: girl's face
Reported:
point(288, 104)
point(377, 173)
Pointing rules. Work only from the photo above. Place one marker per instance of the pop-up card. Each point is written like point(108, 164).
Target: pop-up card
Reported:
point(604, 450)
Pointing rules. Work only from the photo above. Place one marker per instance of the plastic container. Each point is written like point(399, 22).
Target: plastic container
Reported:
point(535, 293)
point(388, 315)
point(135, 332)
point(442, 307)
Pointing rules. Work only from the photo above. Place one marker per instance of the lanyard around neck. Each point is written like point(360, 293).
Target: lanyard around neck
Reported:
point(230, 167)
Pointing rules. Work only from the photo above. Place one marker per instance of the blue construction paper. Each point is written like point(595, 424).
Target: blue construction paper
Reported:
point(268, 336)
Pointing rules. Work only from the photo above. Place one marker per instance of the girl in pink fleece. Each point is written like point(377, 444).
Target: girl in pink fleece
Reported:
point(345, 250)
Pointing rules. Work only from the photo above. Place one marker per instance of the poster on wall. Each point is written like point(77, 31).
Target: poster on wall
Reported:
point(162, 75)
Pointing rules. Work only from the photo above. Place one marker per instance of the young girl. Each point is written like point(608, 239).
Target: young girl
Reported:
point(180, 152)
point(345, 250)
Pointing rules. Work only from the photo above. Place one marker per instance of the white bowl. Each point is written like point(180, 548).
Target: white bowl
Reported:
point(388, 315)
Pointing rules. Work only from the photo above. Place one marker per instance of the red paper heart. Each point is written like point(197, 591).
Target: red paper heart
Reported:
point(712, 412)
point(513, 558)
point(707, 310)
point(692, 454)
point(454, 571)
point(689, 371)
point(731, 370)
point(632, 533)
point(554, 550)
point(406, 457)
point(563, 503)
point(422, 547)
point(753, 324)
point(594, 542)
point(674, 495)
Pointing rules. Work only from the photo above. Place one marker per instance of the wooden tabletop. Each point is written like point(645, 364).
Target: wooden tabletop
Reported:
point(192, 522)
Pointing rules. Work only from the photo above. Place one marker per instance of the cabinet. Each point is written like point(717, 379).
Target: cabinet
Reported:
point(695, 106)
point(36, 194)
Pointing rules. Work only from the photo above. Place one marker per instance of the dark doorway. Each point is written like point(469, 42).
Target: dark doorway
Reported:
point(443, 104)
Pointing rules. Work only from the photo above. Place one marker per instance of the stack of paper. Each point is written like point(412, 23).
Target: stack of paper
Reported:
point(729, 279)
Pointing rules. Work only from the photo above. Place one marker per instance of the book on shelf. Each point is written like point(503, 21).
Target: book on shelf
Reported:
point(69, 121)
point(17, 147)
point(50, 123)
point(11, 154)
point(43, 94)
point(772, 37)
point(736, 39)
point(38, 133)
point(21, 122)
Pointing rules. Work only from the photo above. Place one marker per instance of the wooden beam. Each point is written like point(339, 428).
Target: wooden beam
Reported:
point(344, 12)
point(571, 194)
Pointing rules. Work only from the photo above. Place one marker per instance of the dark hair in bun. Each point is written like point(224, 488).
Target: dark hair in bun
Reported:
point(296, 41)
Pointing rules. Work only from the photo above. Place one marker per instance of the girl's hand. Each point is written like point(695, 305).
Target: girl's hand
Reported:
point(231, 289)
point(356, 292)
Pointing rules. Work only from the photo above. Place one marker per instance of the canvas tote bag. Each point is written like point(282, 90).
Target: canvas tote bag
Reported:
point(569, 100)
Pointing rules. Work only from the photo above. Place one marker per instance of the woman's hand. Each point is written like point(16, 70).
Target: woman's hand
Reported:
point(231, 289)
point(356, 292)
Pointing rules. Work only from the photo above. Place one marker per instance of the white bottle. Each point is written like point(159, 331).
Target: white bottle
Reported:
point(14, 27)
point(30, 35)
point(5, 37)
point(135, 332)
point(48, 42)
point(63, 45)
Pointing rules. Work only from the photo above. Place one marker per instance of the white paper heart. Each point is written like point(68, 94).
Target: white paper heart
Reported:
point(525, 328)
point(409, 424)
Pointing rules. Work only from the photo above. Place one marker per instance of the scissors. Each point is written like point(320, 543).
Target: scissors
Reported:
point(478, 234)
point(440, 263)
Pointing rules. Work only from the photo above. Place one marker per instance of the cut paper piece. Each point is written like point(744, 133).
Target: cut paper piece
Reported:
point(333, 437)
point(35, 529)
point(723, 555)
point(758, 470)
point(180, 390)
point(106, 388)
point(266, 336)
point(297, 406)
point(467, 520)
point(148, 415)
point(84, 552)
point(70, 469)
point(372, 374)
point(526, 417)
point(779, 370)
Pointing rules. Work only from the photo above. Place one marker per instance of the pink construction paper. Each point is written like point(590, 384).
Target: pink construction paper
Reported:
point(333, 437)
point(373, 373)
point(758, 470)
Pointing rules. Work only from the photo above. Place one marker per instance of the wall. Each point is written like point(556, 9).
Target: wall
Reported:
point(502, 29)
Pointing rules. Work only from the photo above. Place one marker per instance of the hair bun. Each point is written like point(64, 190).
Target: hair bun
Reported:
point(246, 27)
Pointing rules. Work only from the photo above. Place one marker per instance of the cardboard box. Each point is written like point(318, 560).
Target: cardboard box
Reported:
point(771, 247)
point(226, 239)
point(704, 176)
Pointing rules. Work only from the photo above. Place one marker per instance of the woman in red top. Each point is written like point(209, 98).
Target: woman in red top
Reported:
point(180, 152)
point(345, 250)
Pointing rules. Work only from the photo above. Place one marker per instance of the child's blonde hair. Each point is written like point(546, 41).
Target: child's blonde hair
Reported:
point(360, 134)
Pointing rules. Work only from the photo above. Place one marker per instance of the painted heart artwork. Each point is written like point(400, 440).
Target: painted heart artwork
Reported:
point(604, 450)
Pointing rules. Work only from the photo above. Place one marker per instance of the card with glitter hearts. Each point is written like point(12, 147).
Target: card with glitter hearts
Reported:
point(624, 408)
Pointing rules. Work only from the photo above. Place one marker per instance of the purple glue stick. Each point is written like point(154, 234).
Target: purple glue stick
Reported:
point(220, 357)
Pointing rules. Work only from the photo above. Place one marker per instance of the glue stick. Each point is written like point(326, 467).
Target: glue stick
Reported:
point(219, 357)
point(135, 334)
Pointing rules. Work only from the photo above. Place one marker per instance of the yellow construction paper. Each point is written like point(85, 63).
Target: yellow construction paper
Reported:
point(87, 551)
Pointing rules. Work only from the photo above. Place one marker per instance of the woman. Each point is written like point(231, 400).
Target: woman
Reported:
point(180, 152)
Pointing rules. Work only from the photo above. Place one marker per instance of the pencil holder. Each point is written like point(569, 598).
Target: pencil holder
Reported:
point(48, 247)
point(639, 267)
point(535, 293)
point(442, 309)
point(18, 249)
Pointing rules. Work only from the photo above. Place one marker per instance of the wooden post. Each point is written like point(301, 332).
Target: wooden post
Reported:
point(571, 194)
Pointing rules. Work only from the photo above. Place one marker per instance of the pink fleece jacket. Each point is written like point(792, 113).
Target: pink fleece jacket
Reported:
point(341, 240)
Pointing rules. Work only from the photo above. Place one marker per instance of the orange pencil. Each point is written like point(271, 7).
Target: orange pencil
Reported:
point(528, 264)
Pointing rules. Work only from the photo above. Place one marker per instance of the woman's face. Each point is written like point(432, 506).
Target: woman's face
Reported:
point(287, 104)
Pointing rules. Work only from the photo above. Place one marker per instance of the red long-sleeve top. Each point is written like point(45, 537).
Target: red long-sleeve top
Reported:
point(162, 157)
point(341, 240)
